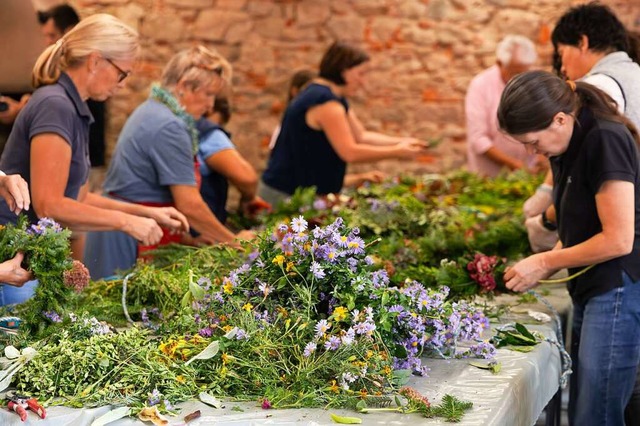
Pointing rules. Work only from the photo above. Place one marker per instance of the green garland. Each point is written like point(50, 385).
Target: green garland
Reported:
point(166, 98)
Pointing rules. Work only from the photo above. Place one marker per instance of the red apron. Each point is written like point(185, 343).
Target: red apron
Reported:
point(168, 236)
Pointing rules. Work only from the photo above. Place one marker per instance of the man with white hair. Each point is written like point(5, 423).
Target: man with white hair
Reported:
point(489, 151)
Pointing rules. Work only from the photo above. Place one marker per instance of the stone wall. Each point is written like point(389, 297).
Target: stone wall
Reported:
point(424, 54)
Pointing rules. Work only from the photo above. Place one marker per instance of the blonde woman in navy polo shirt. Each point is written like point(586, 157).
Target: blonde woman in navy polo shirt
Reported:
point(49, 143)
point(593, 151)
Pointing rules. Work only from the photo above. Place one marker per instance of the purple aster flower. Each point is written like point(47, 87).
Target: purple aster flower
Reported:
point(319, 204)
point(154, 397)
point(333, 343)
point(52, 316)
point(321, 328)
point(309, 349)
point(167, 404)
point(298, 224)
point(241, 334)
point(380, 278)
point(317, 270)
point(283, 227)
point(368, 260)
point(205, 332)
point(348, 337)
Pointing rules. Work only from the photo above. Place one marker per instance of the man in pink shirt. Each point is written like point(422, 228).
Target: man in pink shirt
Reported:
point(488, 150)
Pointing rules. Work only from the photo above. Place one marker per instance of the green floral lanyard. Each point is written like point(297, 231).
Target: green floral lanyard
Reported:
point(166, 98)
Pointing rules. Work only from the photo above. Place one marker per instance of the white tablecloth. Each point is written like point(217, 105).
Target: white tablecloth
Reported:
point(515, 396)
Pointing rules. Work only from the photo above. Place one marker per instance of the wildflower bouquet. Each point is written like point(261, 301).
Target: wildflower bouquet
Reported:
point(316, 324)
point(47, 255)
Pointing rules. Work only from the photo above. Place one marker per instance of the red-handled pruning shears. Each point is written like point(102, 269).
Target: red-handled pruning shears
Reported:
point(21, 403)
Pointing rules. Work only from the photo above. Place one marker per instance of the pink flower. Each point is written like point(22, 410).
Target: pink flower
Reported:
point(266, 404)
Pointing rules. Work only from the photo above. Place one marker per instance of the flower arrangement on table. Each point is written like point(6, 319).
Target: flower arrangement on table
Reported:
point(48, 257)
point(308, 321)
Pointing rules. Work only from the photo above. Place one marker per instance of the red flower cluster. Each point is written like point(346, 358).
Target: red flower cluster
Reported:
point(481, 271)
point(77, 278)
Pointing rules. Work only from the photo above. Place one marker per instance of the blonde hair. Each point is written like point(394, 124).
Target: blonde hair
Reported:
point(100, 33)
point(195, 67)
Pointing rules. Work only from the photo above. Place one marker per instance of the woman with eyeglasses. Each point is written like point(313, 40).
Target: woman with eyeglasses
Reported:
point(155, 161)
point(49, 143)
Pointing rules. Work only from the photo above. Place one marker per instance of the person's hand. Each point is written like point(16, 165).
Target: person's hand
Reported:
point(410, 148)
point(538, 202)
point(540, 238)
point(250, 208)
point(375, 176)
point(415, 141)
point(15, 192)
point(145, 230)
point(12, 272)
point(169, 217)
point(525, 274)
point(245, 235)
point(14, 107)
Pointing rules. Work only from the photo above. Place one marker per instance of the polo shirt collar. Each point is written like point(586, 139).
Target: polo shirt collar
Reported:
point(69, 87)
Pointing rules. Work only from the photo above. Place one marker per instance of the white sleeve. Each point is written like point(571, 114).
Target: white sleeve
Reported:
point(609, 86)
point(2, 173)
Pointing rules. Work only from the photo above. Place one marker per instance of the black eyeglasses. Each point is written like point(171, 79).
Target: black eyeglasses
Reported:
point(122, 74)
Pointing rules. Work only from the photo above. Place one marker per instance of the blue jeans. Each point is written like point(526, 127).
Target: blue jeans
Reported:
point(605, 350)
point(10, 295)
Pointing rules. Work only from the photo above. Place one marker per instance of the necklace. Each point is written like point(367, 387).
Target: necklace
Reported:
point(165, 97)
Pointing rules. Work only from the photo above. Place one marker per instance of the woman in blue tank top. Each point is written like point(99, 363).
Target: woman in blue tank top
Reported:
point(320, 134)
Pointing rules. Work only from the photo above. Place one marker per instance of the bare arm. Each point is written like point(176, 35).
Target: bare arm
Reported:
point(189, 201)
point(234, 167)
point(500, 157)
point(362, 135)
point(616, 209)
point(50, 162)
point(331, 118)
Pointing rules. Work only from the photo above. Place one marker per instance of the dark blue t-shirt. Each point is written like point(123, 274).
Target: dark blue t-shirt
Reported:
point(302, 156)
point(599, 151)
point(56, 108)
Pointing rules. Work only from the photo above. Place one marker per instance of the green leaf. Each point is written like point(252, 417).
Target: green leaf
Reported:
point(345, 420)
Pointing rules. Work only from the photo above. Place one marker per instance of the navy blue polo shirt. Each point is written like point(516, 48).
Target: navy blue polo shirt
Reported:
point(55, 108)
point(599, 151)
point(303, 156)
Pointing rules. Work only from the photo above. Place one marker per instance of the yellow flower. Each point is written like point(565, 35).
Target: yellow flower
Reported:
point(334, 387)
point(340, 313)
point(227, 328)
point(180, 379)
point(247, 307)
point(278, 260)
point(227, 286)
point(225, 358)
point(369, 354)
point(386, 370)
point(307, 246)
point(282, 311)
point(290, 266)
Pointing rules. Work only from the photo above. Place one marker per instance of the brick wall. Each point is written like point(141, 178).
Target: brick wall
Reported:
point(424, 54)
